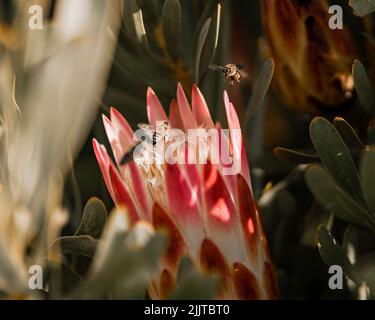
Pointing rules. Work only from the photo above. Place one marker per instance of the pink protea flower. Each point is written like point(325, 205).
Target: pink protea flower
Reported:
point(210, 217)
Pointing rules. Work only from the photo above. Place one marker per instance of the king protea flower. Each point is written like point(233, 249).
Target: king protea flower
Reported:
point(210, 217)
point(313, 62)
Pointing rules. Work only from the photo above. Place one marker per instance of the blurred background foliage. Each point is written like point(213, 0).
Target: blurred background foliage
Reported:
point(304, 175)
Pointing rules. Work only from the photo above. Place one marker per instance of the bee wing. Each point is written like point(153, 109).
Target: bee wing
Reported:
point(243, 74)
point(215, 67)
point(147, 132)
point(144, 126)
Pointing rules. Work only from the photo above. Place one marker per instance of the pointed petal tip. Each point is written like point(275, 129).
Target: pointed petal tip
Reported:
point(155, 110)
point(100, 153)
point(196, 90)
point(106, 120)
point(114, 113)
point(180, 91)
point(150, 91)
point(226, 97)
point(95, 144)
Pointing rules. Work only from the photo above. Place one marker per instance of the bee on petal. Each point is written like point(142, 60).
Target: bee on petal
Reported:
point(232, 72)
point(151, 135)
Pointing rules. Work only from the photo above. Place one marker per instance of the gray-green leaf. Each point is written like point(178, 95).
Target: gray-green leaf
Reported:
point(201, 41)
point(335, 199)
point(348, 134)
point(333, 254)
point(336, 158)
point(94, 219)
point(171, 23)
point(77, 245)
point(192, 284)
point(260, 89)
point(363, 87)
point(363, 7)
point(368, 177)
point(133, 19)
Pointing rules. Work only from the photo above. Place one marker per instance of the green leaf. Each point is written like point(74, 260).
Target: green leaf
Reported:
point(336, 158)
point(184, 269)
point(133, 20)
point(171, 23)
point(296, 156)
point(7, 11)
point(209, 49)
point(260, 89)
point(333, 254)
point(61, 278)
point(363, 7)
point(192, 284)
point(348, 134)
point(138, 266)
point(94, 219)
point(365, 267)
point(350, 243)
point(208, 9)
point(77, 245)
point(125, 260)
point(201, 41)
point(368, 177)
point(363, 87)
point(335, 199)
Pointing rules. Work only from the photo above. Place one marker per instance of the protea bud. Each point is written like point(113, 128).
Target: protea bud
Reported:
point(313, 61)
point(208, 211)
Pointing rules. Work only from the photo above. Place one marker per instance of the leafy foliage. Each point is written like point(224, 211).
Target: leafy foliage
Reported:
point(362, 7)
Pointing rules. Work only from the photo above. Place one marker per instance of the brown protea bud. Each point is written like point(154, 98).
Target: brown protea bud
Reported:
point(313, 62)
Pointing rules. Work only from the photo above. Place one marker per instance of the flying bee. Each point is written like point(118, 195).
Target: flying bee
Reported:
point(232, 72)
point(150, 135)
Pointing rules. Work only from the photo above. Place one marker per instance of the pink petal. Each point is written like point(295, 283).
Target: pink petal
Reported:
point(140, 189)
point(185, 110)
point(103, 161)
point(184, 201)
point(222, 220)
point(183, 196)
point(219, 203)
point(174, 116)
point(249, 218)
point(120, 123)
point(213, 261)
point(237, 139)
point(119, 134)
point(113, 138)
point(155, 110)
point(121, 195)
point(112, 180)
point(224, 150)
point(176, 244)
point(200, 110)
